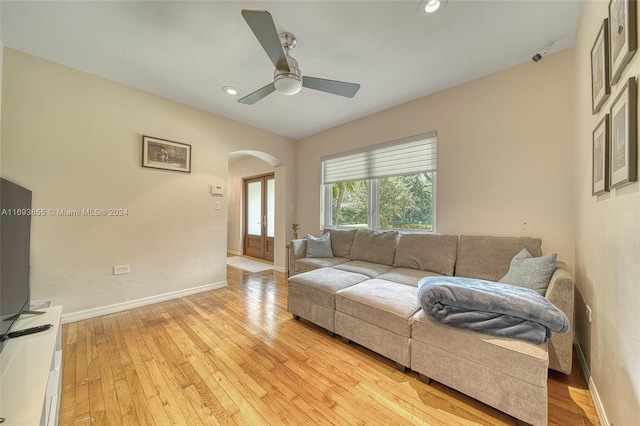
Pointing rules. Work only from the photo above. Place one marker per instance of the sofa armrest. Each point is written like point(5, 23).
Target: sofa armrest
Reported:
point(560, 293)
point(297, 250)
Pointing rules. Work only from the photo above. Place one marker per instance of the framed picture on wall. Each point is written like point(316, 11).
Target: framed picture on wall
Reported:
point(167, 155)
point(600, 180)
point(600, 88)
point(622, 141)
point(622, 36)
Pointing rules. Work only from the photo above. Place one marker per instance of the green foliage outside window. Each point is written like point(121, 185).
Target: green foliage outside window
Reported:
point(404, 202)
point(349, 203)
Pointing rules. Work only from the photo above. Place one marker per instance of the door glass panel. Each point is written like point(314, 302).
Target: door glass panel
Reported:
point(271, 207)
point(254, 208)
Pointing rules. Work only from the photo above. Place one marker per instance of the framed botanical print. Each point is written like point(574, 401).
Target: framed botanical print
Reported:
point(622, 141)
point(622, 36)
point(600, 178)
point(600, 89)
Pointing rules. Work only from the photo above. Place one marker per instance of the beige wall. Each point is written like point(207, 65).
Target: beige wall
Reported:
point(505, 153)
point(607, 250)
point(74, 139)
point(238, 170)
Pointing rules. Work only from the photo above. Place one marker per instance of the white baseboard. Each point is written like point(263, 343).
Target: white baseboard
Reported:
point(123, 306)
point(597, 403)
point(280, 269)
point(583, 361)
point(235, 253)
point(595, 396)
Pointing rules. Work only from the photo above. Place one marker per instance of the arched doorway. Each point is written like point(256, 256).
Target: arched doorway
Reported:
point(252, 212)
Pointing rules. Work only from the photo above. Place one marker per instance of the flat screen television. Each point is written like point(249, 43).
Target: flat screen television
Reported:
point(15, 236)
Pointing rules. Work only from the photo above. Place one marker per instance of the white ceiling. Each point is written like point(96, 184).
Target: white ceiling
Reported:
point(187, 51)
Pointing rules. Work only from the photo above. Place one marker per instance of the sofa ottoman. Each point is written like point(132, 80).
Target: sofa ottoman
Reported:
point(377, 314)
point(507, 374)
point(311, 295)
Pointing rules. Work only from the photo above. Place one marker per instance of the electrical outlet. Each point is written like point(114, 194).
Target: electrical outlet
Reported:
point(216, 205)
point(121, 269)
point(589, 313)
point(525, 226)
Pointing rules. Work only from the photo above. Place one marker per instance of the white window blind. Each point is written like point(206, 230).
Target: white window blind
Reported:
point(409, 156)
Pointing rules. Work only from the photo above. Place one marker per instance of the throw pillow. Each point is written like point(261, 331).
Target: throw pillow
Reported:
point(531, 272)
point(319, 247)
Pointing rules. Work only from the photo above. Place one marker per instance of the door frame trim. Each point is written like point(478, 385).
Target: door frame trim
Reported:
point(245, 225)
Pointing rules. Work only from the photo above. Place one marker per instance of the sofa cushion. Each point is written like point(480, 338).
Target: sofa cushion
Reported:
point(489, 258)
point(387, 305)
point(310, 263)
point(406, 276)
point(321, 285)
point(341, 241)
point(320, 246)
point(427, 252)
point(369, 269)
point(531, 272)
point(375, 247)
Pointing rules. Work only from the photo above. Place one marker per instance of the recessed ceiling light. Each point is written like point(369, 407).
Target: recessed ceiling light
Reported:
point(229, 90)
point(433, 6)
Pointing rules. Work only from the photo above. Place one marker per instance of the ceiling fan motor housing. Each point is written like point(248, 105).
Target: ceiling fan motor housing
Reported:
point(288, 82)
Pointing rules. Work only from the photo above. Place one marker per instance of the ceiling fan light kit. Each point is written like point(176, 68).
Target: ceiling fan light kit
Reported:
point(288, 82)
point(287, 77)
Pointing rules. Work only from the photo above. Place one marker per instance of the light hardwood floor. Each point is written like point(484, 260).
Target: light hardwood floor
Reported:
point(236, 356)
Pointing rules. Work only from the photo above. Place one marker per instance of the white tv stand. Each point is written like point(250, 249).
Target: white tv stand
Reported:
point(30, 372)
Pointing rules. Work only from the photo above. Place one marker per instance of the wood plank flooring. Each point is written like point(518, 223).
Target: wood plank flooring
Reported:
point(235, 356)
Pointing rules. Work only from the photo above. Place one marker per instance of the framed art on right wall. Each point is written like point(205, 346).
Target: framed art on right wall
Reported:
point(622, 143)
point(600, 68)
point(622, 36)
point(600, 178)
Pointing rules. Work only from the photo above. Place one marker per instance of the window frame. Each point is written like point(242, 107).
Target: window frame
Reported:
point(326, 194)
point(373, 210)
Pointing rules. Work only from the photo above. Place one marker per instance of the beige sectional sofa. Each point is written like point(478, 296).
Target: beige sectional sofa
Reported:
point(367, 293)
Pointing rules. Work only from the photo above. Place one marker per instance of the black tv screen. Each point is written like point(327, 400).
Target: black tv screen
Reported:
point(15, 234)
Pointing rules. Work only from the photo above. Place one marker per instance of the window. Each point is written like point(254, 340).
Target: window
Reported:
point(387, 186)
point(350, 203)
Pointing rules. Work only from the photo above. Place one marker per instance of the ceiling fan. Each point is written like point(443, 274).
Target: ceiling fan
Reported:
point(287, 77)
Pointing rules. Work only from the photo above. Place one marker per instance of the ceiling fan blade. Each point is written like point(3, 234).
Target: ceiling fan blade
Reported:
point(258, 94)
point(341, 88)
point(264, 29)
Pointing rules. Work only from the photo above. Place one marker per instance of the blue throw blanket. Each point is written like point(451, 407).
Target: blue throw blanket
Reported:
point(493, 308)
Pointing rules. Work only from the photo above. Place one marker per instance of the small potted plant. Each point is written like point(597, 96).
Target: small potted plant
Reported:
point(295, 228)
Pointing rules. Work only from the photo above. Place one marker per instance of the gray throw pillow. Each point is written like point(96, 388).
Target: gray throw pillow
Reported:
point(531, 272)
point(319, 247)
